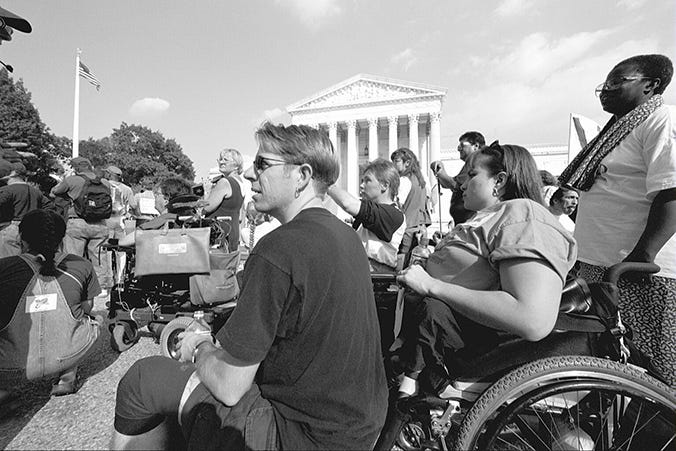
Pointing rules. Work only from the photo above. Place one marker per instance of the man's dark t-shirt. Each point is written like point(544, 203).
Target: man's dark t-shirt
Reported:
point(306, 311)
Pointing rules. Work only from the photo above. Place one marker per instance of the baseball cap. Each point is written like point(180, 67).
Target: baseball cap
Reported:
point(5, 168)
point(114, 170)
point(15, 169)
point(80, 160)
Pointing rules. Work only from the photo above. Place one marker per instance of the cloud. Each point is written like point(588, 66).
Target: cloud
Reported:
point(274, 115)
point(537, 56)
point(523, 102)
point(405, 58)
point(508, 8)
point(313, 13)
point(631, 5)
point(149, 108)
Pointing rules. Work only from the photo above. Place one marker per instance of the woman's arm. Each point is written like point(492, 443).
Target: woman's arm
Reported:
point(526, 306)
point(345, 200)
point(660, 227)
point(221, 191)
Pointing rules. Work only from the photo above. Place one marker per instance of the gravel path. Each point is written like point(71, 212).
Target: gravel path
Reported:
point(80, 421)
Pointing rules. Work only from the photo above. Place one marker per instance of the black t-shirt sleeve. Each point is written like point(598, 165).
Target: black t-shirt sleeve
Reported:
point(381, 219)
point(266, 293)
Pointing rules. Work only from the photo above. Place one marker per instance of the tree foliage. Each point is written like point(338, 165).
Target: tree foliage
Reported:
point(144, 156)
point(20, 122)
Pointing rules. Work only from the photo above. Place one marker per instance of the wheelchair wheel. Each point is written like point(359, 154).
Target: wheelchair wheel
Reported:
point(572, 402)
point(123, 336)
point(169, 336)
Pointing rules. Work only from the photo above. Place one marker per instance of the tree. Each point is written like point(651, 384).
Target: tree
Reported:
point(144, 156)
point(20, 122)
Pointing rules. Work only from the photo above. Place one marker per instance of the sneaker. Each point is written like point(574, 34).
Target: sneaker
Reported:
point(64, 388)
point(407, 387)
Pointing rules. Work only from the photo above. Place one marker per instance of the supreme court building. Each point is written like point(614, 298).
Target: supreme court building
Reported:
point(368, 117)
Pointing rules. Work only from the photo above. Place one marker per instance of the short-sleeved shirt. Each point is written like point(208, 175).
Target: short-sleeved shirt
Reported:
point(471, 253)
point(17, 199)
point(307, 312)
point(613, 213)
point(123, 198)
point(15, 274)
point(380, 228)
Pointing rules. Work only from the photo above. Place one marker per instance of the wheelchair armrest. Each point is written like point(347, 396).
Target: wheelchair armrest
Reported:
point(575, 297)
point(614, 273)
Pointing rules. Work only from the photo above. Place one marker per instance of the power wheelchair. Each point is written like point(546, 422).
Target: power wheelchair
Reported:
point(583, 387)
point(163, 302)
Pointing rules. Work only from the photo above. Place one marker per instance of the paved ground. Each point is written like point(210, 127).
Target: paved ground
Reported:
point(80, 421)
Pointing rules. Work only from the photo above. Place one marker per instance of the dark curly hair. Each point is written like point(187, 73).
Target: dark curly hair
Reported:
point(43, 230)
point(652, 66)
point(405, 155)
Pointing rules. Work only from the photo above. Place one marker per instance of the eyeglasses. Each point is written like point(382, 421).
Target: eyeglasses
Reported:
point(260, 163)
point(611, 85)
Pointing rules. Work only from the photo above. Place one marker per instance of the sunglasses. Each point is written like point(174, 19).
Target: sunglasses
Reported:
point(260, 163)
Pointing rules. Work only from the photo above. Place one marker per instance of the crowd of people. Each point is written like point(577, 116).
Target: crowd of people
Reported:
point(298, 365)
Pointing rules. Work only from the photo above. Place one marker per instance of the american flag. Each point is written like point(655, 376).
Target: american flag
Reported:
point(87, 75)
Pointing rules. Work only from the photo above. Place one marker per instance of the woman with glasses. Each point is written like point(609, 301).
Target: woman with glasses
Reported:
point(626, 177)
point(500, 271)
point(226, 198)
point(298, 364)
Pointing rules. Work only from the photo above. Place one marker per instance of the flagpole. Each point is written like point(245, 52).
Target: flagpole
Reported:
point(76, 106)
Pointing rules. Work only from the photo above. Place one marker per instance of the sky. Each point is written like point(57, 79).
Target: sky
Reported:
point(207, 73)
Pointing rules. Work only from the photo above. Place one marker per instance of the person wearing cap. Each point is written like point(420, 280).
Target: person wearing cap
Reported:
point(16, 199)
point(83, 238)
point(123, 201)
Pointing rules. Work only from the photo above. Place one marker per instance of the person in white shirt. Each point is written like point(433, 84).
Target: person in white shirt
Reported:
point(627, 182)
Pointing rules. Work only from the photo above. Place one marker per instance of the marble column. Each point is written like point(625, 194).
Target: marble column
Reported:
point(393, 141)
point(352, 159)
point(413, 134)
point(333, 135)
point(435, 136)
point(373, 138)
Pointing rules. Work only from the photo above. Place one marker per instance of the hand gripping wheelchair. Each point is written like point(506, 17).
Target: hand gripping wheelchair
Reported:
point(165, 303)
point(582, 387)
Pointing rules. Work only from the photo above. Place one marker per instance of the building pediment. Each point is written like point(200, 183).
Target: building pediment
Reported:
point(367, 89)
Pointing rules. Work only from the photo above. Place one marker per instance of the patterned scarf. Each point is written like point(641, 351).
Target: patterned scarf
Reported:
point(581, 172)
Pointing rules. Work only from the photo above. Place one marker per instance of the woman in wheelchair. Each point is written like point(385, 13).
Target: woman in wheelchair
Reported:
point(501, 271)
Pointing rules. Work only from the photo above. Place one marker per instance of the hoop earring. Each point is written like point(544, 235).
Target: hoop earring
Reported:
point(296, 194)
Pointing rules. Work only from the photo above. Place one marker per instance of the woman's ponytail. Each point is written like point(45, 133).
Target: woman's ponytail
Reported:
point(43, 230)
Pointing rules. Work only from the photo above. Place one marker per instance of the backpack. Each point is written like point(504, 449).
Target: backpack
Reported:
point(43, 338)
point(94, 202)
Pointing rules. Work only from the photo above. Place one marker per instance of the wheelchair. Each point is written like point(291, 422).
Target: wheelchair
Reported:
point(582, 387)
point(164, 302)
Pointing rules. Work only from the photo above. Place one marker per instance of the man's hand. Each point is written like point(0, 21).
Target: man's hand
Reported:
point(416, 278)
point(436, 166)
point(189, 340)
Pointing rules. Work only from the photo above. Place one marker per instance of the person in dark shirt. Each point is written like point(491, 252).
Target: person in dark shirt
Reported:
point(16, 199)
point(468, 143)
point(298, 364)
point(377, 219)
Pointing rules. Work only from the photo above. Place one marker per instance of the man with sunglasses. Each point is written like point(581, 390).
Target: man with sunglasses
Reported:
point(298, 364)
point(627, 207)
